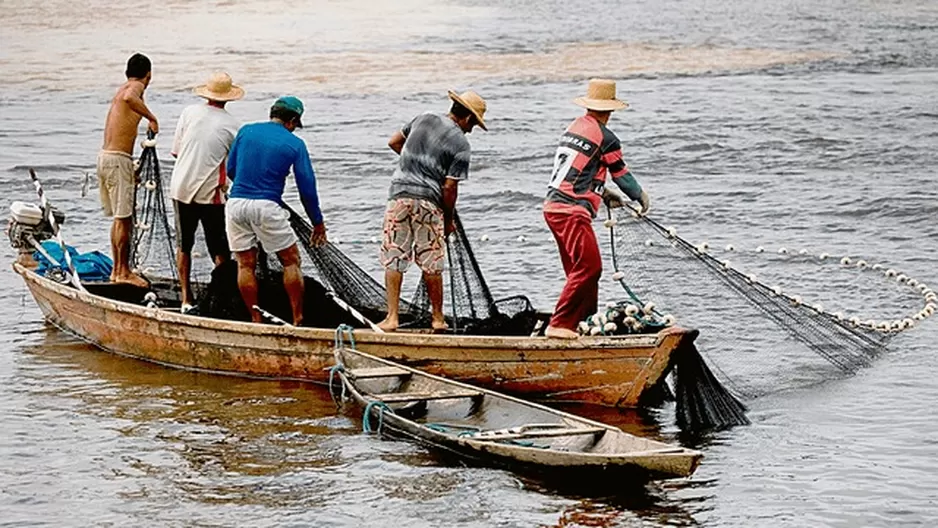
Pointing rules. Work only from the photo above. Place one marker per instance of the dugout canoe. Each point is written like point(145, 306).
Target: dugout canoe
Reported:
point(489, 428)
point(611, 371)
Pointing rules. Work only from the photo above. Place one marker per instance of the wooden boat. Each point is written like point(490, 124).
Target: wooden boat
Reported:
point(490, 428)
point(612, 371)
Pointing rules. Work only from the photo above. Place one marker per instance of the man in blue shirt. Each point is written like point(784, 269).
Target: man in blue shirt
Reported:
point(258, 164)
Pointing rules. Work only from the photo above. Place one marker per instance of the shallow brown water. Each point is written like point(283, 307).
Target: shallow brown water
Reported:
point(782, 124)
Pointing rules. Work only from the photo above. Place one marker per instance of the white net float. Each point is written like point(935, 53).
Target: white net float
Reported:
point(760, 249)
point(802, 251)
point(648, 308)
point(484, 238)
point(631, 310)
point(151, 304)
point(782, 251)
point(610, 327)
point(861, 264)
point(649, 242)
point(611, 222)
point(583, 327)
point(913, 283)
point(150, 185)
point(672, 232)
point(521, 238)
point(838, 315)
point(900, 278)
point(776, 290)
point(845, 261)
point(751, 278)
point(668, 320)
point(150, 296)
point(617, 276)
point(730, 247)
point(725, 263)
point(595, 331)
point(823, 256)
point(817, 307)
point(702, 247)
point(146, 143)
point(877, 267)
point(594, 320)
point(890, 272)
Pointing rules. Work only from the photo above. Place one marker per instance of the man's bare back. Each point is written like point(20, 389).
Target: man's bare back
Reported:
point(127, 107)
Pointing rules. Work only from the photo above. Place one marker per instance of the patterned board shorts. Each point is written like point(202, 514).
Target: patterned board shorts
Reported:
point(413, 231)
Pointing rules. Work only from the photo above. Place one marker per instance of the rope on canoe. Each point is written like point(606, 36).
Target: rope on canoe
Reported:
point(366, 422)
point(341, 332)
point(335, 369)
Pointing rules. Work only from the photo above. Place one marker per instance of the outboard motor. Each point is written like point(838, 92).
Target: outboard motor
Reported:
point(28, 227)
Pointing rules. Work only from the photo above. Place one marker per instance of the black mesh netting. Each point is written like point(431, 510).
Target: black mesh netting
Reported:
point(152, 250)
point(759, 335)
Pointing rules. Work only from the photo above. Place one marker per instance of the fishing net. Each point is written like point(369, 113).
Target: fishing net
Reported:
point(760, 336)
point(152, 249)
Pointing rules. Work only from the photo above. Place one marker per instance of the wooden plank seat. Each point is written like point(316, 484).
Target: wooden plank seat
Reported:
point(534, 431)
point(399, 397)
point(377, 372)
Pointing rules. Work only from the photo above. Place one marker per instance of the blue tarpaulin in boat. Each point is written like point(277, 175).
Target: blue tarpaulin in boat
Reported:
point(93, 266)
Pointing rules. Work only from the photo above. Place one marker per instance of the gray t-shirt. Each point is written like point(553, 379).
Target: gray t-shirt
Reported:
point(435, 148)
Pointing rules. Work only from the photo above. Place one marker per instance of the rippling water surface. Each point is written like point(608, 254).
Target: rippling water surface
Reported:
point(775, 123)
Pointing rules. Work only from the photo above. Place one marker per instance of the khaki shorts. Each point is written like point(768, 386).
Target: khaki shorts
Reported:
point(413, 231)
point(251, 221)
point(116, 183)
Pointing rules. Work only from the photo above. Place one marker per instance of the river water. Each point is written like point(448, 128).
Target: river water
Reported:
point(777, 123)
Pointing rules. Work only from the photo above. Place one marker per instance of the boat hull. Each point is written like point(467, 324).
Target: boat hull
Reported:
point(610, 371)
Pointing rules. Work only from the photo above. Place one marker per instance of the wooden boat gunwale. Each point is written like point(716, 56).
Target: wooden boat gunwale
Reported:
point(525, 359)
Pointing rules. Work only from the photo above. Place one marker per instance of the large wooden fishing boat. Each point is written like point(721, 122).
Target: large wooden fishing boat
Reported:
point(486, 427)
point(604, 370)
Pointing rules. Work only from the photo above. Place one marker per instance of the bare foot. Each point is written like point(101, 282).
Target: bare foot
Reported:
point(560, 333)
point(388, 325)
point(135, 280)
point(439, 326)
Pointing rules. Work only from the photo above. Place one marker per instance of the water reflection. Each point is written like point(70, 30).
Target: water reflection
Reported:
point(216, 440)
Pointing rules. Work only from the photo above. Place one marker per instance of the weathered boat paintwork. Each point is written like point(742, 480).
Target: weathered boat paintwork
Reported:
point(612, 371)
point(490, 428)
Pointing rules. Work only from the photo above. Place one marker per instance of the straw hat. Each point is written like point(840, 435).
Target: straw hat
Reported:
point(472, 102)
point(601, 96)
point(219, 88)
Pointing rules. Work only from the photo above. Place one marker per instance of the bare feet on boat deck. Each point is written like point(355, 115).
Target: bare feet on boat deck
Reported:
point(388, 325)
point(135, 280)
point(560, 333)
point(439, 326)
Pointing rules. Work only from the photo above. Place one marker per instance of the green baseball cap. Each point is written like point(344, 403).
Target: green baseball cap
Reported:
point(288, 102)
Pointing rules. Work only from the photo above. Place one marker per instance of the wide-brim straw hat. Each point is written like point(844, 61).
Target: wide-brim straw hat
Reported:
point(472, 102)
point(219, 88)
point(601, 96)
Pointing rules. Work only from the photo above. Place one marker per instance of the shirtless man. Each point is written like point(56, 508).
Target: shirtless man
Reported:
point(116, 179)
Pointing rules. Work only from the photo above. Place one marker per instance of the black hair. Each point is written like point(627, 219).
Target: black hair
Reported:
point(138, 66)
point(460, 111)
point(281, 113)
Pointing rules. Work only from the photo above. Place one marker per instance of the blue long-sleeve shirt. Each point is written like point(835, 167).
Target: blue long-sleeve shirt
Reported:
point(260, 160)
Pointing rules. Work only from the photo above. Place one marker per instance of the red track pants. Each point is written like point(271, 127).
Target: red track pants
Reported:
point(583, 265)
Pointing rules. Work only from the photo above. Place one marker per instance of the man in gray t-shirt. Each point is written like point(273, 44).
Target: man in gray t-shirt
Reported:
point(434, 159)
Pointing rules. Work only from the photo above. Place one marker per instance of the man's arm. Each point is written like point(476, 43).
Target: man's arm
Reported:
point(177, 136)
point(450, 193)
point(134, 99)
point(622, 176)
point(232, 162)
point(306, 184)
point(397, 141)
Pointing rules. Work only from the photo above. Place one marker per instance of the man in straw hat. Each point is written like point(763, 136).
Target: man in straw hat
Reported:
point(434, 158)
point(588, 153)
point(261, 157)
point(116, 178)
point(203, 137)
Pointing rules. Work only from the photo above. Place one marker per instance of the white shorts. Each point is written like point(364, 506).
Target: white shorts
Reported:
point(251, 221)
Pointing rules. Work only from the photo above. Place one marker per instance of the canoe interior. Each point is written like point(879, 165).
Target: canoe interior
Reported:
point(490, 427)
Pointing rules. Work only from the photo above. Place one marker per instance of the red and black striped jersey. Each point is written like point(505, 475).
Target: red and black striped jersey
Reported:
point(588, 151)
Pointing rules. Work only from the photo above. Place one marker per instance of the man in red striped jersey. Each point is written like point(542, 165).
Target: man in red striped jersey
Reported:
point(588, 153)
